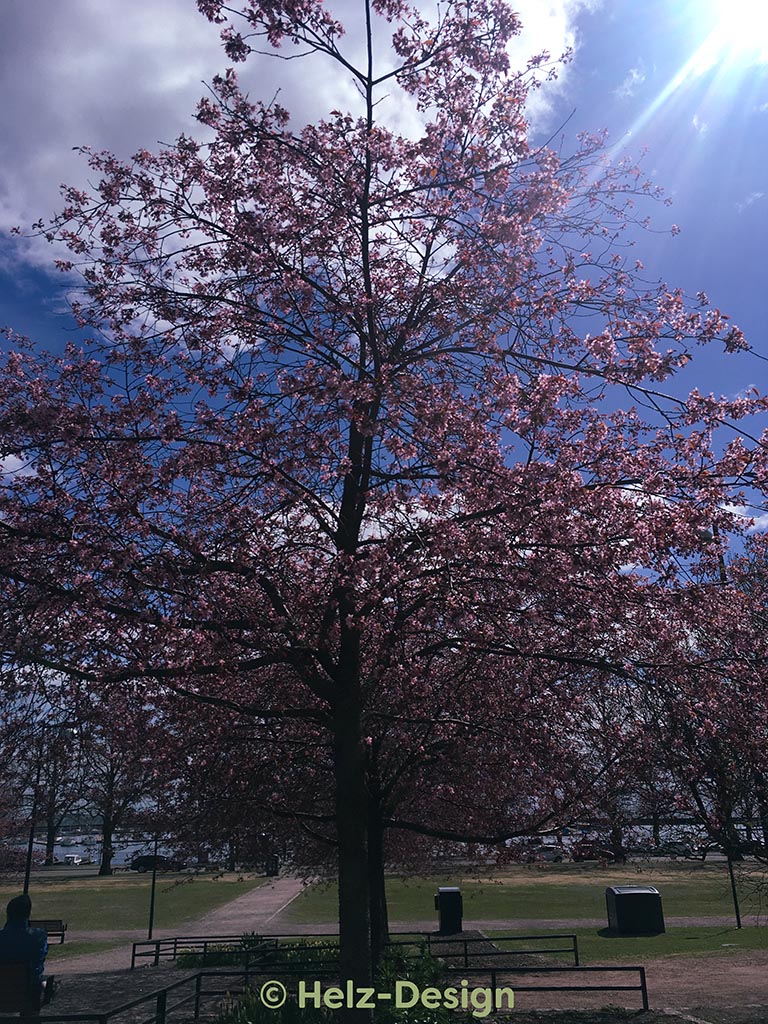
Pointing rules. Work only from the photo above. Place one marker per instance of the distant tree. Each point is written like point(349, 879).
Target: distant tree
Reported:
point(120, 757)
point(17, 758)
point(61, 782)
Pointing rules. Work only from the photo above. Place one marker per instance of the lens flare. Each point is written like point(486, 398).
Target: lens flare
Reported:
point(741, 31)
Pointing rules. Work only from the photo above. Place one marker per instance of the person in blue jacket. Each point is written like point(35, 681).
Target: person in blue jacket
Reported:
point(20, 943)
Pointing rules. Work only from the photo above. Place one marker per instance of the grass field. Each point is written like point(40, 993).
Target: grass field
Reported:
point(69, 949)
point(577, 891)
point(567, 891)
point(118, 902)
point(596, 946)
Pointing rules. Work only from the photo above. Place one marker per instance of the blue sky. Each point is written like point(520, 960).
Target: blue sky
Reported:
point(667, 76)
point(684, 78)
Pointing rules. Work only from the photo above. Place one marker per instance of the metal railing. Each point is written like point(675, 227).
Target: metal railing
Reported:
point(162, 1007)
point(573, 972)
point(156, 950)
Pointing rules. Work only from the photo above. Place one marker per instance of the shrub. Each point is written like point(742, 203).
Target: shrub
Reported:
point(224, 954)
point(420, 968)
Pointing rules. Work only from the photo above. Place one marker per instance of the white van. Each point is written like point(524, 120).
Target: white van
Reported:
point(73, 858)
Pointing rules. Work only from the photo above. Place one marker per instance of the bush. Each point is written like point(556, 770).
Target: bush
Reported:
point(224, 954)
point(248, 1009)
point(424, 971)
point(420, 968)
point(305, 953)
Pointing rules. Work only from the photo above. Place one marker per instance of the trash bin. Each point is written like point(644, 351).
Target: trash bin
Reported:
point(449, 905)
point(272, 867)
point(634, 909)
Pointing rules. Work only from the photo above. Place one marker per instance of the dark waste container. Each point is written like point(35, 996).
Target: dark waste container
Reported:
point(272, 866)
point(449, 905)
point(634, 909)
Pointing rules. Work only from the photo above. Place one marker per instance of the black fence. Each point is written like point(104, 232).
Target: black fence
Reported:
point(159, 1000)
point(205, 985)
point(264, 949)
point(256, 950)
point(572, 972)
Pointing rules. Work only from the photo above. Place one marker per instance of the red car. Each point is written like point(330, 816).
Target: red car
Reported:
point(593, 849)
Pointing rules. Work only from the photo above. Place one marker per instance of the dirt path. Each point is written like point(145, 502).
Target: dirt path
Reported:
point(256, 911)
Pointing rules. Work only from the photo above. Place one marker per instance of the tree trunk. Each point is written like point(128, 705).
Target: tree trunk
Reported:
point(617, 843)
point(50, 839)
point(761, 797)
point(378, 895)
point(352, 827)
point(656, 826)
point(732, 842)
point(107, 828)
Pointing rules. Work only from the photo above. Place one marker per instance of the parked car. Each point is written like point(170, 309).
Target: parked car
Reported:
point(544, 851)
point(147, 861)
point(702, 850)
point(674, 848)
point(74, 859)
point(593, 849)
point(670, 848)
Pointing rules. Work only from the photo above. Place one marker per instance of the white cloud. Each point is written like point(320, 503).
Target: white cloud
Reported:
point(129, 77)
point(702, 127)
point(552, 27)
point(13, 465)
point(750, 200)
point(634, 78)
point(81, 73)
point(757, 523)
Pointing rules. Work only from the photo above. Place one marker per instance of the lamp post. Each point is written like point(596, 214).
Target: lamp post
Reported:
point(30, 843)
point(152, 889)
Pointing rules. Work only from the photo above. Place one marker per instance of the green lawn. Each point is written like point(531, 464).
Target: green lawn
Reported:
point(122, 902)
point(556, 891)
point(597, 948)
point(60, 952)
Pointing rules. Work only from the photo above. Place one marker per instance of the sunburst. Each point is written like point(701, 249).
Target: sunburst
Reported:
point(740, 33)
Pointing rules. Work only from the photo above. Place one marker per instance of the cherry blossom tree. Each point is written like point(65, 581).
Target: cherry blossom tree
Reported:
point(351, 417)
point(444, 765)
point(710, 719)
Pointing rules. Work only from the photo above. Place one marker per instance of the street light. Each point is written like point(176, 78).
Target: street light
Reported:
point(28, 866)
point(152, 889)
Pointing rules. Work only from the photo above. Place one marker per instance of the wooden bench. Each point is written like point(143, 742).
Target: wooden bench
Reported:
point(19, 991)
point(54, 928)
